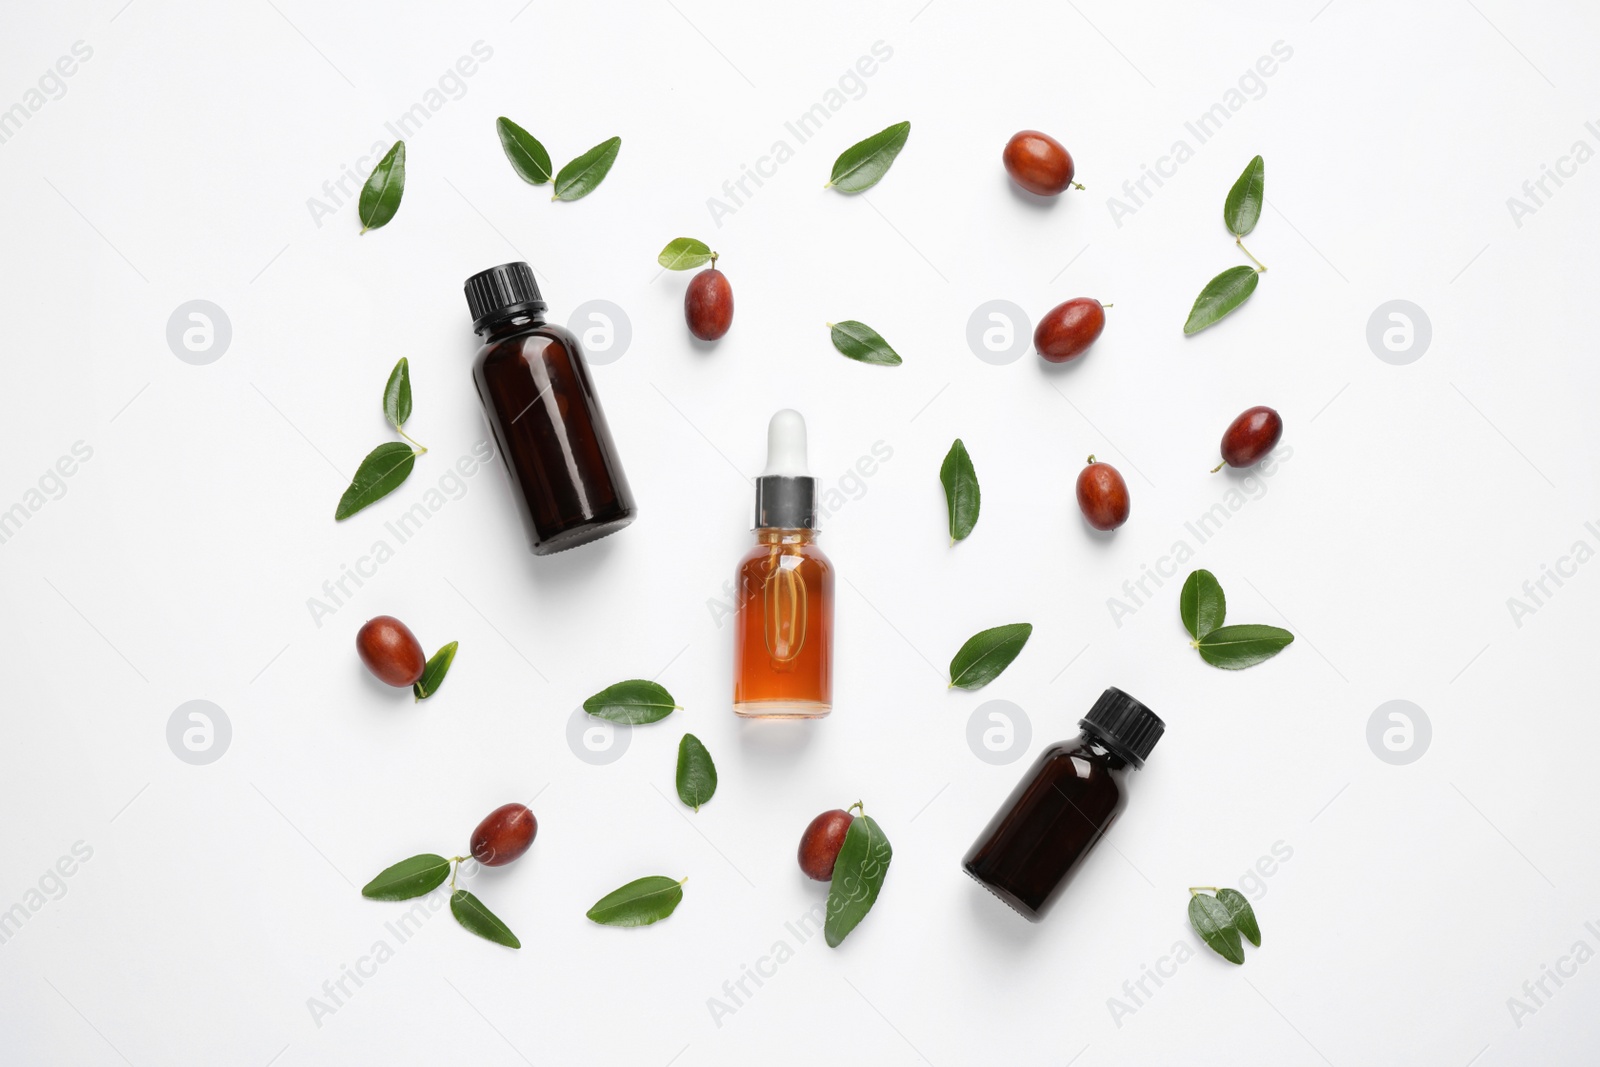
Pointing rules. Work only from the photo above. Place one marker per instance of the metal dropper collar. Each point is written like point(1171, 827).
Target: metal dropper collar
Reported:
point(786, 493)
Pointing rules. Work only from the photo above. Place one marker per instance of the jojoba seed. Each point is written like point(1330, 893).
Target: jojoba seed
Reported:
point(503, 835)
point(1252, 435)
point(1067, 330)
point(390, 650)
point(820, 844)
point(1037, 162)
point(1102, 496)
point(708, 304)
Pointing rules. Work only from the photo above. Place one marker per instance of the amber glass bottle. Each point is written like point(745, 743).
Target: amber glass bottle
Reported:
point(783, 633)
point(545, 415)
point(1064, 805)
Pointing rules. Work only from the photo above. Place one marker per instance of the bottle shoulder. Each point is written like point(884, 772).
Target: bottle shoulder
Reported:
point(804, 555)
point(526, 344)
point(1089, 764)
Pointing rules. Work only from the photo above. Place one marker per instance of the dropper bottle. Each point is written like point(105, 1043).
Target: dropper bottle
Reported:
point(783, 635)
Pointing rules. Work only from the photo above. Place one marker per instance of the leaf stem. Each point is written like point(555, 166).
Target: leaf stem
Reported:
point(713, 261)
point(1260, 267)
point(857, 806)
point(1196, 890)
point(421, 448)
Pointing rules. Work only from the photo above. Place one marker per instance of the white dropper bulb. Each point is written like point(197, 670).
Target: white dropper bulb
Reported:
point(786, 445)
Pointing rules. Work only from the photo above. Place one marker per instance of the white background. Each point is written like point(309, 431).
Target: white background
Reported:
point(179, 561)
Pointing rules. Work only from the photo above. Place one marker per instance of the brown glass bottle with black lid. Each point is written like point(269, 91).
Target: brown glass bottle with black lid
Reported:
point(545, 415)
point(1064, 805)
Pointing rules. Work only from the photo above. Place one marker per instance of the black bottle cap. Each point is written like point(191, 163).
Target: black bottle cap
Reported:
point(508, 288)
point(1125, 724)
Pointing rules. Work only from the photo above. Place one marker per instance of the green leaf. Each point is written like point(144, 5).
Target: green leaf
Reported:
point(858, 876)
point(1242, 209)
point(470, 912)
point(1221, 296)
point(1236, 647)
point(1239, 909)
point(528, 157)
point(697, 775)
point(639, 903)
point(379, 475)
point(397, 394)
point(1211, 920)
point(434, 670)
point(987, 653)
point(631, 703)
point(863, 165)
point(684, 253)
point(380, 197)
point(1201, 604)
point(408, 878)
point(862, 343)
point(580, 177)
point(961, 494)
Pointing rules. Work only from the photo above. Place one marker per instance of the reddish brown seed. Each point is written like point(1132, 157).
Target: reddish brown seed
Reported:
point(1067, 330)
point(820, 844)
point(1102, 496)
point(390, 650)
point(1251, 436)
point(503, 835)
point(1037, 162)
point(708, 304)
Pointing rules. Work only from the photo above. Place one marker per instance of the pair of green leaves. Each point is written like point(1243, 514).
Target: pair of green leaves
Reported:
point(961, 495)
point(639, 903)
point(863, 164)
point(531, 161)
point(987, 653)
point(639, 701)
point(380, 197)
point(860, 167)
point(423, 874)
point(858, 875)
point(1202, 607)
point(1221, 919)
point(388, 465)
point(862, 343)
point(686, 253)
point(1228, 290)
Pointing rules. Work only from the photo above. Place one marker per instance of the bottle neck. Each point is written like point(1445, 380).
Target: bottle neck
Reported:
point(1114, 755)
point(504, 325)
point(772, 535)
point(786, 502)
